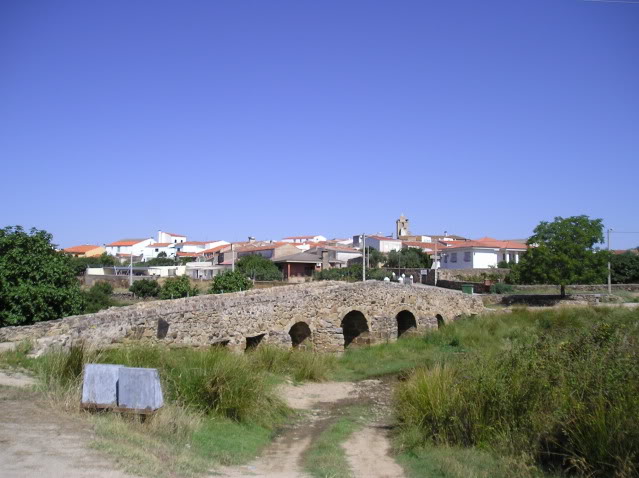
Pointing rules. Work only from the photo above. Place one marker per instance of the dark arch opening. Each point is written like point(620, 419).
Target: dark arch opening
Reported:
point(299, 333)
point(405, 322)
point(253, 342)
point(440, 321)
point(355, 329)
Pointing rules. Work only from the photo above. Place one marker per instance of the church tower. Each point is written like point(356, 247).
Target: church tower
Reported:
point(402, 227)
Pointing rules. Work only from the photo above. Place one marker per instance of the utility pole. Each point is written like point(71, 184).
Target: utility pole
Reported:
point(232, 258)
point(131, 269)
point(363, 257)
point(436, 262)
point(609, 268)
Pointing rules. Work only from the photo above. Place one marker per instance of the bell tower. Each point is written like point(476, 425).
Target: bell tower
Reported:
point(402, 226)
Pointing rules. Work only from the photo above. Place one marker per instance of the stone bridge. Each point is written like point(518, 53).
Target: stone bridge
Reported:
point(327, 315)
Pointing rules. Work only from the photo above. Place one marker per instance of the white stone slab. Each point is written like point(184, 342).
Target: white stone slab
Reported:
point(139, 389)
point(100, 385)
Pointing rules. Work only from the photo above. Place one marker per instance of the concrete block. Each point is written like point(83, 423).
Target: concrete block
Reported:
point(100, 385)
point(140, 389)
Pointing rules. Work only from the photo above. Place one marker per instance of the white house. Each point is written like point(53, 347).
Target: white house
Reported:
point(480, 254)
point(169, 237)
point(195, 247)
point(127, 247)
point(154, 250)
point(383, 244)
point(301, 239)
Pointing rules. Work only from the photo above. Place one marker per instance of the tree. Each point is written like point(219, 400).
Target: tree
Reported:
point(178, 287)
point(409, 258)
point(625, 268)
point(374, 258)
point(563, 252)
point(158, 261)
point(145, 288)
point(230, 281)
point(80, 264)
point(258, 268)
point(36, 282)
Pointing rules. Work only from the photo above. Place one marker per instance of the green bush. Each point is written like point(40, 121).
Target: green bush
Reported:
point(178, 287)
point(501, 288)
point(98, 297)
point(230, 281)
point(566, 394)
point(145, 288)
point(258, 268)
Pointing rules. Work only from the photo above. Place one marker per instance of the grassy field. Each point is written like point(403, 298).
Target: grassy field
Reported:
point(526, 393)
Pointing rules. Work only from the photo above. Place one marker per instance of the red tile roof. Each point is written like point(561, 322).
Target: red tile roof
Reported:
point(81, 249)
point(195, 243)
point(275, 245)
point(488, 242)
point(171, 234)
point(126, 242)
point(188, 254)
point(382, 238)
point(215, 249)
point(160, 244)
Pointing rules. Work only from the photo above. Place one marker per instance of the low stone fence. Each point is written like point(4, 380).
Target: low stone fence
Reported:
point(603, 288)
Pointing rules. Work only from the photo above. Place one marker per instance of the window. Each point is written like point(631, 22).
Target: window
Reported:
point(467, 256)
point(446, 259)
point(453, 257)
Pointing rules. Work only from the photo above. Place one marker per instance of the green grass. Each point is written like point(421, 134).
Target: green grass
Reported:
point(222, 407)
point(558, 389)
point(326, 458)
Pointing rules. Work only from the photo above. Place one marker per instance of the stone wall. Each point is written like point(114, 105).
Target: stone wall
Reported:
point(248, 318)
point(462, 274)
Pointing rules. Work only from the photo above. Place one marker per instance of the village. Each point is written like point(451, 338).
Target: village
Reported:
point(297, 257)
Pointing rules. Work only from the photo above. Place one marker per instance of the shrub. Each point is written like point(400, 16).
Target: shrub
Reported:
point(178, 287)
point(567, 397)
point(230, 281)
point(501, 288)
point(258, 268)
point(145, 288)
point(98, 297)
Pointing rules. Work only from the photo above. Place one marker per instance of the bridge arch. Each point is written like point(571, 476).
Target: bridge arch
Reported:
point(440, 321)
point(406, 322)
point(355, 329)
point(300, 334)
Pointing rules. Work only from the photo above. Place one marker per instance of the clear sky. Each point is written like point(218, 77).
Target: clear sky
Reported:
point(222, 120)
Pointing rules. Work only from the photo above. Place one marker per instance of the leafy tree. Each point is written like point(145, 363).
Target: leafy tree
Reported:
point(374, 258)
point(145, 288)
point(36, 282)
point(161, 255)
point(80, 264)
point(625, 268)
point(258, 268)
point(98, 297)
point(178, 287)
point(230, 281)
point(563, 252)
point(351, 274)
point(409, 258)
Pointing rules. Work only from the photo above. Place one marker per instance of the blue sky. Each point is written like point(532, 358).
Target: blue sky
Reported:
point(222, 120)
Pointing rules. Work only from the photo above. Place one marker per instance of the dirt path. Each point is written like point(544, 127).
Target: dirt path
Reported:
point(37, 441)
point(368, 451)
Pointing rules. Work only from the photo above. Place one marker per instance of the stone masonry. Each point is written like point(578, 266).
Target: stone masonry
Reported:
point(326, 315)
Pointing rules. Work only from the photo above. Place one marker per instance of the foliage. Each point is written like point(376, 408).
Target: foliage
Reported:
point(562, 253)
point(158, 262)
point(409, 258)
point(36, 282)
point(98, 297)
point(145, 288)
point(80, 264)
point(505, 265)
point(501, 288)
point(625, 268)
point(560, 387)
point(230, 281)
point(374, 258)
point(258, 268)
point(351, 274)
point(178, 287)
